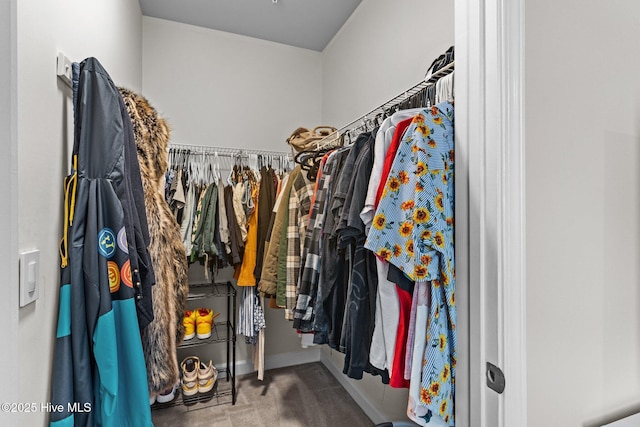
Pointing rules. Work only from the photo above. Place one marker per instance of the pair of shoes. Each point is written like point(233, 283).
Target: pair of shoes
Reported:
point(167, 395)
point(197, 377)
point(198, 322)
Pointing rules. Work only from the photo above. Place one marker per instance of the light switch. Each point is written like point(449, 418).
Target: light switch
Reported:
point(29, 272)
point(31, 276)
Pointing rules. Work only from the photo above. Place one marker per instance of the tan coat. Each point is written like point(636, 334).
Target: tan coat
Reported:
point(269, 279)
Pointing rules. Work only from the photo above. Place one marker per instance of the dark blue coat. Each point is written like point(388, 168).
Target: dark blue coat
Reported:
point(99, 374)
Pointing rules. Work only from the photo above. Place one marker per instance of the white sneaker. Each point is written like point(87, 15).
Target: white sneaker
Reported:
point(207, 375)
point(168, 397)
point(189, 368)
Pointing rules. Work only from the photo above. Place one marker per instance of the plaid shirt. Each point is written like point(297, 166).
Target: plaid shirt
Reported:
point(299, 206)
point(310, 263)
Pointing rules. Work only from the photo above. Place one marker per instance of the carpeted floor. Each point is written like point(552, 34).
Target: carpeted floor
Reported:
point(304, 395)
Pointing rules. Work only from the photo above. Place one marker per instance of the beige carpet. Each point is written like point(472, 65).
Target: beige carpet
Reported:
point(297, 396)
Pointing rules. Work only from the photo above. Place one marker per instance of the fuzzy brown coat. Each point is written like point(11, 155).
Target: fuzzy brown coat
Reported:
point(161, 337)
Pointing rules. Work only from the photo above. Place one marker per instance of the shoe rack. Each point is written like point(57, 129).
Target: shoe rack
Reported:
point(222, 332)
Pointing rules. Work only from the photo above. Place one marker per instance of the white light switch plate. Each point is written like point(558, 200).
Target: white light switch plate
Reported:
point(63, 69)
point(29, 272)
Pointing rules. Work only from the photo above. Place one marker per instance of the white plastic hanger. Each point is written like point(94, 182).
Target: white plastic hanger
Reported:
point(216, 166)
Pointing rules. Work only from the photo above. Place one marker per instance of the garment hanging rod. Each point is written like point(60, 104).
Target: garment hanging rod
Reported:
point(226, 151)
point(430, 80)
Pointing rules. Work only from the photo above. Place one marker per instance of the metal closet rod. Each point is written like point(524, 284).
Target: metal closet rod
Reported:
point(226, 151)
point(430, 81)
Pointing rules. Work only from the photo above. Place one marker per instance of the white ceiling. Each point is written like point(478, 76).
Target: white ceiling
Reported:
point(310, 24)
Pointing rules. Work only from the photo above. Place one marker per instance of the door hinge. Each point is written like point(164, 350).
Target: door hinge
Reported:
point(495, 378)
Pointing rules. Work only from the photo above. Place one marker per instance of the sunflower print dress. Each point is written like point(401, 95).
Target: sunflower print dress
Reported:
point(413, 230)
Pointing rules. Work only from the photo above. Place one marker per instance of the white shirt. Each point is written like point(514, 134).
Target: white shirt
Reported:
point(383, 140)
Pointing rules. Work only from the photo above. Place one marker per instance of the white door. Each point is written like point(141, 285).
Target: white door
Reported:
point(490, 212)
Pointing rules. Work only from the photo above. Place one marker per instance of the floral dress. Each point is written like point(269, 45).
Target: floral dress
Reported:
point(413, 230)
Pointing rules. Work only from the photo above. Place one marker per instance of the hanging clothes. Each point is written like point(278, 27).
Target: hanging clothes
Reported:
point(246, 312)
point(417, 411)
point(310, 260)
point(186, 229)
point(246, 275)
point(98, 352)
point(161, 338)
point(267, 198)
point(444, 88)
point(339, 266)
point(334, 274)
point(197, 217)
point(268, 284)
point(223, 224)
point(299, 205)
point(204, 245)
point(375, 272)
point(321, 321)
point(283, 248)
point(359, 316)
point(385, 333)
point(239, 190)
point(235, 235)
point(178, 199)
point(413, 230)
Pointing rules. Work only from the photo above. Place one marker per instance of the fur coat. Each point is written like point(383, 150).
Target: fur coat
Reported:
point(169, 294)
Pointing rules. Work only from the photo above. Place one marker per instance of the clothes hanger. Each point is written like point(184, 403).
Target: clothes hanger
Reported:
point(210, 176)
point(182, 159)
point(232, 178)
point(192, 167)
point(304, 157)
point(174, 158)
point(216, 166)
point(200, 168)
point(252, 161)
point(170, 158)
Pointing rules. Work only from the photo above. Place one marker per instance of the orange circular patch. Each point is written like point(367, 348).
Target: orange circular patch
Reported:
point(114, 276)
point(125, 273)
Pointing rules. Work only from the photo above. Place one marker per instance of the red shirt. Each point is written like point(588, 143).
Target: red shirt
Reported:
point(391, 155)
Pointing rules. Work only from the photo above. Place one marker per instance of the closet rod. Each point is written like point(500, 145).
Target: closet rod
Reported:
point(227, 151)
point(428, 81)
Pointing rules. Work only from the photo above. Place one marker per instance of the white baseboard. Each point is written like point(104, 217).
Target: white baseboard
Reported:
point(363, 402)
point(277, 361)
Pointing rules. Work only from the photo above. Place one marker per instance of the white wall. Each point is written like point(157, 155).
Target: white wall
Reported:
point(583, 211)
point(222, 89)
point(383, 49)
point(112, 32)
point(226, 90)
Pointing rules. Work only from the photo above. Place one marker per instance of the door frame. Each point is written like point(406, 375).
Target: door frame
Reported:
point(9, 193)
point(490, 169)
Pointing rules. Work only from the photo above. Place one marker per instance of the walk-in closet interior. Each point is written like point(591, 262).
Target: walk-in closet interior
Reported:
point(223, 118)
point(206, 200)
